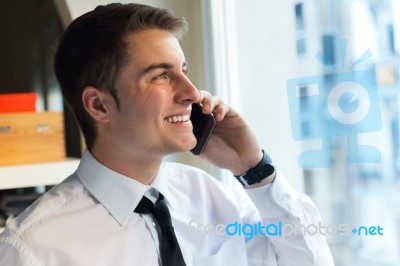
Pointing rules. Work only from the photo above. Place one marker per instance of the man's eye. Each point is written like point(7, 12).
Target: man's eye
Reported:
point(161, 76)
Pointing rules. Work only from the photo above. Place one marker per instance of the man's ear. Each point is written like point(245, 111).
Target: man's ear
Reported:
point(96, 103)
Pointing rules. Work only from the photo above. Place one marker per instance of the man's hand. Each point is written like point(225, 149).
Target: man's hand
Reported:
point(232, 145)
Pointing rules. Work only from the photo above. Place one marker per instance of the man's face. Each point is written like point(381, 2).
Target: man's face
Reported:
point(155, 96)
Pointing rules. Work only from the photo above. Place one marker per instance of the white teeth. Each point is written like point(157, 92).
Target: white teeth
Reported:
point(177, 118)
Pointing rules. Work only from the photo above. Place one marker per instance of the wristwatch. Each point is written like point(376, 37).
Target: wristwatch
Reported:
point(256, 174)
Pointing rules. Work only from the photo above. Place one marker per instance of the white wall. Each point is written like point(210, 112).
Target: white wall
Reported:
point(266, 58)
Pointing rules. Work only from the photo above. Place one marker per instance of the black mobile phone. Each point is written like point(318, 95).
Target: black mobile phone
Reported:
point(203, 125)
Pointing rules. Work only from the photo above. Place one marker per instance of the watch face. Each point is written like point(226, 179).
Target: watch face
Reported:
point(266, 171)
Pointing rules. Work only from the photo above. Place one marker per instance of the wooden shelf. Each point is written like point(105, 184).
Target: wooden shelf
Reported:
point(39, 174)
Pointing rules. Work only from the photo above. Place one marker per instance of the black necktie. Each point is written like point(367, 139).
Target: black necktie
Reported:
point(171, 254)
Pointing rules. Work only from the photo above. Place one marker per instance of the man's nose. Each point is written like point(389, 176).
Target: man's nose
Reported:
point(186, 91)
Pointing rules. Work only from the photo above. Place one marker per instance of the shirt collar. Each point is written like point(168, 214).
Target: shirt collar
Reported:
point(118, 193)
point(160, 183)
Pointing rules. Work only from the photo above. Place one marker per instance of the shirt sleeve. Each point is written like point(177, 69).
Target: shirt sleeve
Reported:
point(290, 214)
point(14, 253)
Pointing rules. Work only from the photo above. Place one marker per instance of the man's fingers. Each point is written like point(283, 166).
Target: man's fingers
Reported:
point(213, 104)
point(205, 98)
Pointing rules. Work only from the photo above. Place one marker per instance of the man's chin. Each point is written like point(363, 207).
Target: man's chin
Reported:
point(186, 147)
point(190, 146)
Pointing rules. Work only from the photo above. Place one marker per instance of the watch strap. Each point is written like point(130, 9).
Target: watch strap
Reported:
point(257, 173)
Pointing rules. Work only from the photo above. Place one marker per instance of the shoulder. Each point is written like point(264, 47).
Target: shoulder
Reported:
point(45, 207)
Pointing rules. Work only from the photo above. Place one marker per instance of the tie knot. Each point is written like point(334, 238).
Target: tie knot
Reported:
point(159, 210)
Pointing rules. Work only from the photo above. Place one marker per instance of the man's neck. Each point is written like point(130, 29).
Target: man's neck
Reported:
point(135, 165)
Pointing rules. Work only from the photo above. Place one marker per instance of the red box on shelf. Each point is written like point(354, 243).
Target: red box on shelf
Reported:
point(18, 102)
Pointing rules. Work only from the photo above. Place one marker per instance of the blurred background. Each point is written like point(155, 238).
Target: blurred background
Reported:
point(318, 80)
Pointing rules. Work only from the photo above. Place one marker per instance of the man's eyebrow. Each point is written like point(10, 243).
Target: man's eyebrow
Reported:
point(155, 66)
point(163, 66)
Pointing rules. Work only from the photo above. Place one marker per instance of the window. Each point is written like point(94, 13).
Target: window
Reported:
point(300, 29)
point(299, 16)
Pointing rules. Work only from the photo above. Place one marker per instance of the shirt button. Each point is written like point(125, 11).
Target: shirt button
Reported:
point(285, 197)
point(154, 224)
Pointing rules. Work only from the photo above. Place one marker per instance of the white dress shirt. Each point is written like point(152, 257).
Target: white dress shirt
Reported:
point(89, 219)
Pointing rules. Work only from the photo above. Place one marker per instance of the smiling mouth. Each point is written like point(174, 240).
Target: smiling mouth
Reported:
point(177, 118)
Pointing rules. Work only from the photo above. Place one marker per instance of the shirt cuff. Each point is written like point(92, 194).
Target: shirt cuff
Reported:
point(276, 199)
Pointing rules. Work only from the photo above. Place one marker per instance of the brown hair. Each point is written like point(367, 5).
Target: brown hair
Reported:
point(92, 51)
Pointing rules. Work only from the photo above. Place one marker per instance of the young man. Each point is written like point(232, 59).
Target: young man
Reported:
point(122, 71)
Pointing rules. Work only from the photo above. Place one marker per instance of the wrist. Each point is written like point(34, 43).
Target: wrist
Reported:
point(269, 179)
point(262, 173)
point(244, 167)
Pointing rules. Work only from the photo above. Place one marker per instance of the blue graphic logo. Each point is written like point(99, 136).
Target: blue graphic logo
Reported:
point(332, 105)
